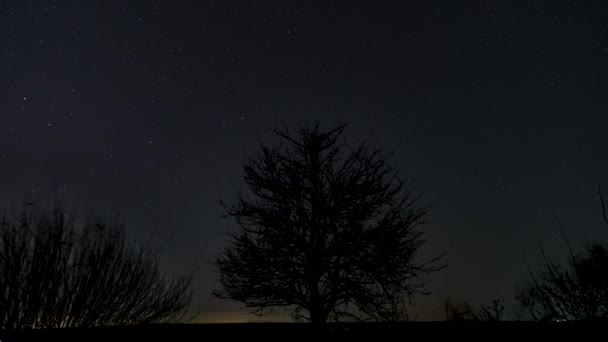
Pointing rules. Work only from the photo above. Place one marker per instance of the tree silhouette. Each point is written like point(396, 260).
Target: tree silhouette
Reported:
point(458, 311)
point(463, 311)
point(577, 290)
point(327, 229)
point(56, 271)
point(493, 312)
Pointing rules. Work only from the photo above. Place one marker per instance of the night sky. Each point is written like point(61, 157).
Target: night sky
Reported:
point(498, 109)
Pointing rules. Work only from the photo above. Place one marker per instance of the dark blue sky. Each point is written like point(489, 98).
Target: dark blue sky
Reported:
point(499, 111)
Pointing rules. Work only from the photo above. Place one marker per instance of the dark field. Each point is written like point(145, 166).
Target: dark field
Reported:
point(407, 331)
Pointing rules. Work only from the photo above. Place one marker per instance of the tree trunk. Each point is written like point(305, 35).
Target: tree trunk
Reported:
point(316, 308)
point(318, 316)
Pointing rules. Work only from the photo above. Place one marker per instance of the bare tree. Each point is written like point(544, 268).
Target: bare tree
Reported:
point(57, 271)
point(327, 229)
point(458, 311)
point(463, 311)
point(576, 290)
point(493, 312)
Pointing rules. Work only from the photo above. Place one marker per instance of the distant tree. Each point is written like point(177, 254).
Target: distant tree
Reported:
point(56, 271)
point(576, 290)
point(463, 311)
point(327, 229)
point(493, 312)
point(458, 311)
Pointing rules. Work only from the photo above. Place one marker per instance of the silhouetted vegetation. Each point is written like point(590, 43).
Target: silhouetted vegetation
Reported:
point(493, 312)
point(369, 331)
point(57, 271)
point(327, 229)
point(457, 311)
point(577, 290)
point(462, 311)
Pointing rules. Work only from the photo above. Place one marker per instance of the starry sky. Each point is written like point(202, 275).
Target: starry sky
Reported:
point(498, 109)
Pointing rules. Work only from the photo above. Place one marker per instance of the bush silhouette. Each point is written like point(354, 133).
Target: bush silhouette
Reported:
point(576, 290)
point(57, 271)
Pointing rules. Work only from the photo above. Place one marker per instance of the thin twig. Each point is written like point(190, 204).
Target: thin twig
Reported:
point(599, 191)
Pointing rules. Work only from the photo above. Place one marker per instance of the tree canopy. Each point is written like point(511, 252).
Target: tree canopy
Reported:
point(327, 229)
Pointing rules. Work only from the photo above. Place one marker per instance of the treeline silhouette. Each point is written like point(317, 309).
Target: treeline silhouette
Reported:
point(327, 230)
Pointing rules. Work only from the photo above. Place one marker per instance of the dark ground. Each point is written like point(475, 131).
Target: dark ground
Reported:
point(419, 330)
